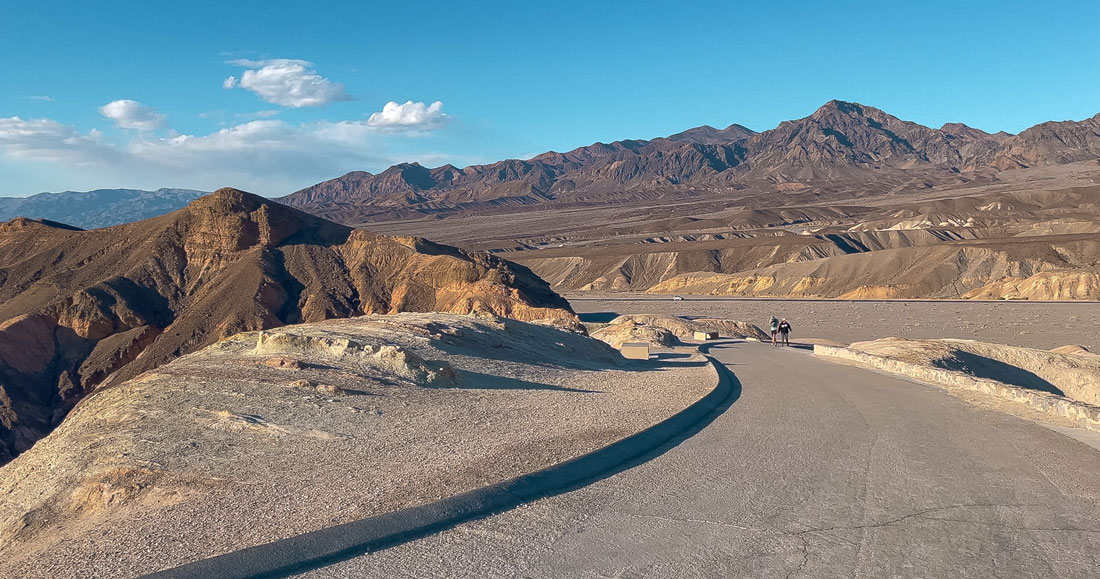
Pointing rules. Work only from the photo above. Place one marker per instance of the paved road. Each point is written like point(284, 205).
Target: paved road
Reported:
point(818, 470)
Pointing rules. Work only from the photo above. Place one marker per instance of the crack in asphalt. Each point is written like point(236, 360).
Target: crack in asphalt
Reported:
point(919, 514)
point(922, 515)
point(802, 536)
point(805, 556)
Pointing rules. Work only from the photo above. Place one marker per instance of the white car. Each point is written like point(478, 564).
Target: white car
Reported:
point(677, 298)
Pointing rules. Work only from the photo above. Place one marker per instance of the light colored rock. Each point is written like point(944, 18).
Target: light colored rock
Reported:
point(389, 358)
point(618, 334)
point(635, 350)
point(1071, 349)
point(282, 363)
point(685, 328)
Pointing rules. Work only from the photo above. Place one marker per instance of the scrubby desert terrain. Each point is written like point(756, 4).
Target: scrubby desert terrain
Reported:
point(277, 432)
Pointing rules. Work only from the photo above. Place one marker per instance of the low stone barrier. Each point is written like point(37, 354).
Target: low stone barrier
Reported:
point(1084, 415)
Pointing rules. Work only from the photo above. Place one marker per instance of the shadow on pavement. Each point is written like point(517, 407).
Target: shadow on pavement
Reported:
point(598, 317)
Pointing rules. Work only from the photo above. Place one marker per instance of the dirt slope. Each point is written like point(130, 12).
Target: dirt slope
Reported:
point(80, 309)
point(278, 432)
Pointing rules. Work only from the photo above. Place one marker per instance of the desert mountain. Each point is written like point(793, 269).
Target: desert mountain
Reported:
point(1014, 244)
point(85, 309)
point(840, 143)
point(99, 208)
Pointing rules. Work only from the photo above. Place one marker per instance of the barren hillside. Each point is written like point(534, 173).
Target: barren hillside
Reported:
point(940, 271)
point(84, 309)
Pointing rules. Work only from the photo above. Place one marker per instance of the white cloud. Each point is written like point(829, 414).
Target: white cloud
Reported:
point(286, 82)
point(45, 98)
point(264, 155)
point(48, 140)
point(128, 114)
point(408, 116)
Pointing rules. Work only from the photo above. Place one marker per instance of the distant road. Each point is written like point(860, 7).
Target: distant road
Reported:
point(818, 470)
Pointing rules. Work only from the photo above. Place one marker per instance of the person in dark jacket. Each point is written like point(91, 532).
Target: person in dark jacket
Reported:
point(785, 332)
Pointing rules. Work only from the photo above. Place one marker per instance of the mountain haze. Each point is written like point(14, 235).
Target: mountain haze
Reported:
point(98, 208)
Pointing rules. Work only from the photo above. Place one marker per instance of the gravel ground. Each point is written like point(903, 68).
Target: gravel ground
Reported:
point(237, 445)
point(1042, 325)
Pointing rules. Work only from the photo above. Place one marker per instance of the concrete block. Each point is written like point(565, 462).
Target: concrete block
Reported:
point(704, 336)
point(635, 350)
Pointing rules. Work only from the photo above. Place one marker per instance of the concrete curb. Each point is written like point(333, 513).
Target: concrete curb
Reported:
point(333, 544)
point(1085, 415)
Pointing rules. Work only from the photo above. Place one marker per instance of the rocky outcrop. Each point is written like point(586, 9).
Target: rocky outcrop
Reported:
point(685, 328)
point(85, 309)
point(617, 334)
point(1073, 284)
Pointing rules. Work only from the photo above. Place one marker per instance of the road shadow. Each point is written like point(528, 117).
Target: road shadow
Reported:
point(671, 356)
point(598, 317)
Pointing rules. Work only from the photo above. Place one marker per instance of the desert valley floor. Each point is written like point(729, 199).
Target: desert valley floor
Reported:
point(1042, 325)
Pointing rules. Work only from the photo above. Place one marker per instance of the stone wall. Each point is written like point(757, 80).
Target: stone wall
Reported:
point(1085, 415)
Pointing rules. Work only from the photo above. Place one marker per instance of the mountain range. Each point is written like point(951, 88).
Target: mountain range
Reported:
point(841, 145)
point(98, 208)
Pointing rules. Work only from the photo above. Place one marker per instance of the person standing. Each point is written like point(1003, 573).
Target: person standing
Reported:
point(785, 332)
point(775, 329)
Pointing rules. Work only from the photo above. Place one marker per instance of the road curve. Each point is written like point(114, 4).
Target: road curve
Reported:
point(818, 470)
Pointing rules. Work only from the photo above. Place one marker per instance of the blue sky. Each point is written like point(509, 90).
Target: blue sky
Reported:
point(139, 94)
